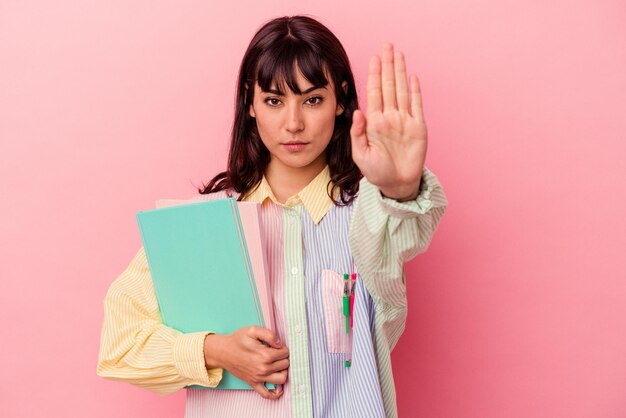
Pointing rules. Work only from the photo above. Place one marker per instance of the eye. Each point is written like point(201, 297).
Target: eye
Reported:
point(272, 101)
point(315, 100)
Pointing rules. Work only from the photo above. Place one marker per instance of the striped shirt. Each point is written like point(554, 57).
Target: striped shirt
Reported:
point(310, 243)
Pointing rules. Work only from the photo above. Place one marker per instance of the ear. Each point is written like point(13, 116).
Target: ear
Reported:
point(339, 110)
point(251, 111)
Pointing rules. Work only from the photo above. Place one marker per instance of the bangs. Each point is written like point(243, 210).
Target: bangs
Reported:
point(280, 63)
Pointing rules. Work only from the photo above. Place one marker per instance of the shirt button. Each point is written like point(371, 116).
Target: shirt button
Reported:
point(298, 329)
point(302, 388)
point(294, 271)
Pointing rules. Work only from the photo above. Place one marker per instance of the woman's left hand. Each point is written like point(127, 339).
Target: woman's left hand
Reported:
point(389, 145)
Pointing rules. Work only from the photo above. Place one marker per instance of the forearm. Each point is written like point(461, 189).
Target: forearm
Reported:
point(136, 347)
point(384, 234)
point(156, 359)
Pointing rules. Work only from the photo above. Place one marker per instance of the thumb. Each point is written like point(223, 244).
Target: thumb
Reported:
point(358, 136)
point(266, 335)
point(267, 394)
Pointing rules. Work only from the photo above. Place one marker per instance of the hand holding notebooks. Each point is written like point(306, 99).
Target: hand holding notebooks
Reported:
point(202, 272)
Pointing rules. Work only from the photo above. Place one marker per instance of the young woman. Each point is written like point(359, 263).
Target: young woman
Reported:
point(340, 192)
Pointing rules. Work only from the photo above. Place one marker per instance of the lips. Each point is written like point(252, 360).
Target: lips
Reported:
point(295, 146)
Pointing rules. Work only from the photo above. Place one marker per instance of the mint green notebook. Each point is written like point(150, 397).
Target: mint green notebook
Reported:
point(201, 270)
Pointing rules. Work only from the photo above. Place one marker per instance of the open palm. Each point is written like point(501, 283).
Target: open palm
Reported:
point(389, 146)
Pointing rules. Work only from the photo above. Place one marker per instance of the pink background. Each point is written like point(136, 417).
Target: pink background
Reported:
point(518, 309)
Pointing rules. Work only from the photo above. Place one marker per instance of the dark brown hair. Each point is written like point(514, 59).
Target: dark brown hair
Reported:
point(272, 56)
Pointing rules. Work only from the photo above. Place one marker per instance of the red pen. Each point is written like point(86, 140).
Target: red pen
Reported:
point(352, 286)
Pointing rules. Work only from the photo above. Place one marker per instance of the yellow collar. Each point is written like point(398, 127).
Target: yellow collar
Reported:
point(314, 196)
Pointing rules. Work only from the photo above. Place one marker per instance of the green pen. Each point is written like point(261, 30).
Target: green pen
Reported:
point(346, 300)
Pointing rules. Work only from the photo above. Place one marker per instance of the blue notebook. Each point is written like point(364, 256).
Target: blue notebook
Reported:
point(201, 270)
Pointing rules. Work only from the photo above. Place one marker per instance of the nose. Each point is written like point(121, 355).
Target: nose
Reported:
point(295, 122)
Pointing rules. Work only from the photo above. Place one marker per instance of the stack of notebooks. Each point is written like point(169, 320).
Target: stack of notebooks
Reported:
point(208, 267)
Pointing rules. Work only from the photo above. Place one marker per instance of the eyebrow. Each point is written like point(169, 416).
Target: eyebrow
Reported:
point(280, 93)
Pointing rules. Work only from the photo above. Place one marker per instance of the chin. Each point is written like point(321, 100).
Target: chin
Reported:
point(297, 162)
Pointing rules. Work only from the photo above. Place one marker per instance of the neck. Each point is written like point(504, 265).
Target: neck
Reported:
point(287, 181)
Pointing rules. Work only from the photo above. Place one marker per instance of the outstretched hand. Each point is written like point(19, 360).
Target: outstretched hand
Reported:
point(389, 145)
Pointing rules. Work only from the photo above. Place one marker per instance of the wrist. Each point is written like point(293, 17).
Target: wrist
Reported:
point(213, 349)
point(401, 194)
point(400, 199)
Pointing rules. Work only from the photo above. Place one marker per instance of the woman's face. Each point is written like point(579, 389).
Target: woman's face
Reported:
point(296, 128)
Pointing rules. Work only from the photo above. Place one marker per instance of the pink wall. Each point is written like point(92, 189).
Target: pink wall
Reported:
point(518, 308)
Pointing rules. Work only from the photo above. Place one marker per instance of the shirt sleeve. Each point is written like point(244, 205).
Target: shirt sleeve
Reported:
point(384, 234)
point(136, 347)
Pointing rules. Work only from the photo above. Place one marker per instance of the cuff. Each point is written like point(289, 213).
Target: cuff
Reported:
point(409, 209)
point(189, 360)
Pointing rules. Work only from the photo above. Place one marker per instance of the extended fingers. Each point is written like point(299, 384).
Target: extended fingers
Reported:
point(358, 136)
point(416, 100)
point(387, 83)
point(402, 87)
point(388, 78)
point(374, 91)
